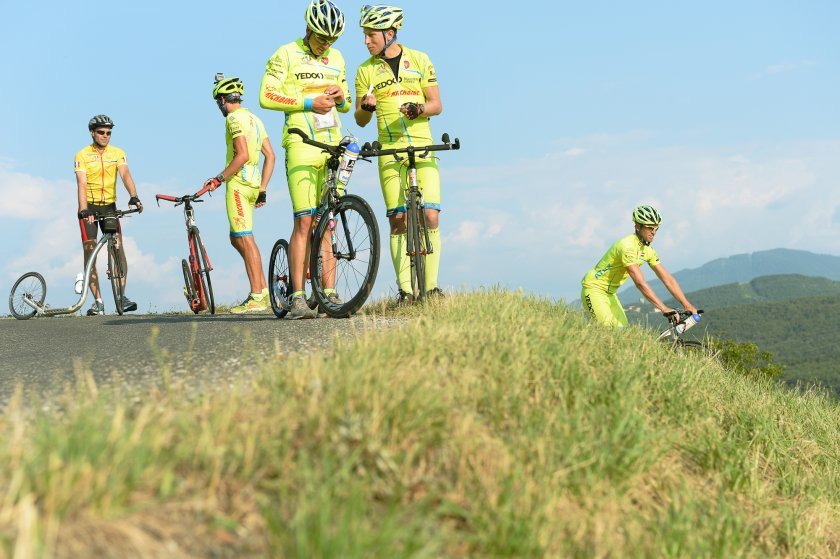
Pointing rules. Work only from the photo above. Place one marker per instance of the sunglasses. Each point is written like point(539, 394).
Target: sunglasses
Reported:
point(653, 228)
point(103, 132)
point(325, 40)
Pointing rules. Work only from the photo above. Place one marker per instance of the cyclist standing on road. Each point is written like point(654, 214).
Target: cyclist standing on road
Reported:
point(623, 260)
point(246, 186)
point(401, 86)
point(97, 166)
point(307, 80)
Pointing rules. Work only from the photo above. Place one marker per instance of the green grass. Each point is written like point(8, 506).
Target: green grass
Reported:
point(489, 425)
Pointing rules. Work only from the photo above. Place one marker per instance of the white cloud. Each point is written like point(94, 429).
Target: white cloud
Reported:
point(783, 67)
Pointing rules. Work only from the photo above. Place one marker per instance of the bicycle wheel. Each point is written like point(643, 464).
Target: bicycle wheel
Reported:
point(30, 286)
point(279, 280)
point(415, 243)
point(203, 264)
point(189, 288)
point(116, 274)
point(690, 346)
point(347, 261)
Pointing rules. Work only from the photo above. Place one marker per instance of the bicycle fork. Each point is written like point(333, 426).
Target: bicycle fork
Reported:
point(420, 212)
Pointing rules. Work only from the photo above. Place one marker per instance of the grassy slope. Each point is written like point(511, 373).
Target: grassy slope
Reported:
point(493, 426)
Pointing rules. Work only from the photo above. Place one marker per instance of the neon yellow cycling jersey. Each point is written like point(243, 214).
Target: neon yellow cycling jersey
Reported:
point(293, 78)
point(611, 270)
point(416, 72)
point(243, 122)
point(100, 171)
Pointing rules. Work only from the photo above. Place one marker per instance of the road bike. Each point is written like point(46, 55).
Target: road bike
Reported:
point(416, 233)
point(30, 290)
point(198, 289)
point(681, 320)
point(344, 249)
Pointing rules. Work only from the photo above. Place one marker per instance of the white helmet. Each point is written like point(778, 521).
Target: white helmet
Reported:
point(381, 17)
point(324, 17)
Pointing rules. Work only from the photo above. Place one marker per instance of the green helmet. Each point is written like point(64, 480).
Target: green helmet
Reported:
point(646, 215)
point(324, 17)
point(228, 86)
point(381, 17)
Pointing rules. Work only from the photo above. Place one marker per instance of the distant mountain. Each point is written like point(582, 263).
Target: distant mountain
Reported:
point(743, 268)
point(794, 317)
point(764, 289)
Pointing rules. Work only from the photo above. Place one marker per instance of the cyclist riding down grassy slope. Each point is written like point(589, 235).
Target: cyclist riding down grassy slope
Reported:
point(246, 139)
point(307, 80)
point(623, 260)
point(400, 85)
point(97, 166)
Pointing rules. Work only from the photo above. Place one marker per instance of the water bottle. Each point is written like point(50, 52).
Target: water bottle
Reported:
point(687, 323)
point(79, 283)
point(348, 160)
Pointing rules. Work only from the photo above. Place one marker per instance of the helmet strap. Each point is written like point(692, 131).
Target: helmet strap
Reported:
point(639, 235)
point(220, 101)
point(387, 43)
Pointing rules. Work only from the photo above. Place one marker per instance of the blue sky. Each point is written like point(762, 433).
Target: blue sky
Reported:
point(723, 115)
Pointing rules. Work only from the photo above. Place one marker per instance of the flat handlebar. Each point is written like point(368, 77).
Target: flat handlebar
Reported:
point(117, 213)
point(330, 148)
point(181, 199)
point(375, 149)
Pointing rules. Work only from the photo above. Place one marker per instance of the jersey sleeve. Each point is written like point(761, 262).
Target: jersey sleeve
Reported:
point(274, 92)
point(654, 258)
point(429, 77)
point(234, 127)
point(121, 158)
point(78, 163)
point(362, 82)
point(342, 83)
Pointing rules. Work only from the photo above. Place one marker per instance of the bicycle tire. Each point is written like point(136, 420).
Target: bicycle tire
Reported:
point(35, 290)
point(279, 279)
point(355, 274)
point(203, 267)
point(414, 246)
point(189, 288)
point(116, 274)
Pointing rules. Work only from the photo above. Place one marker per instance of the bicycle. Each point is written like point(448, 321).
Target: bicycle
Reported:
point(416, 232)
point(30, 290)
point(198, 289)
point(344, 250)
point(680, 323)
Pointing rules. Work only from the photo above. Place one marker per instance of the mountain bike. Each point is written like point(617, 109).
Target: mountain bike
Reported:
point(30, 290)
point(344, 249)
point(681, 321)
point(198, 289)
point(416, 233)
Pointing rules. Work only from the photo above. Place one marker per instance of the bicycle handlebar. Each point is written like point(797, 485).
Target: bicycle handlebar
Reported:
point(375, 149)
point(185, 198)
point(681, 313)
point(117, 213)
point(331, 149)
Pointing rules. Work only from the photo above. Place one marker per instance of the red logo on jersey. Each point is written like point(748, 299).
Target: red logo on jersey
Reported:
point(325, 60)
point(405, 63)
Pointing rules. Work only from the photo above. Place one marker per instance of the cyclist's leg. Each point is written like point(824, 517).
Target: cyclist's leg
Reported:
point(240, 199)
point(603, 307)
point(428, 178)
point(392, 191)
point(305, 176)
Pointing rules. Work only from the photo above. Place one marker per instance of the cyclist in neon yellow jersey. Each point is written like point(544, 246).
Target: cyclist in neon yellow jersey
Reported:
point(400, 85)
point(307, 80)
point(246, 139)
point(624, 259)
point(97, 167)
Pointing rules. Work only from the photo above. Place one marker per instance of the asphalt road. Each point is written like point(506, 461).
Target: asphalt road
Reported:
point(43, 354)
